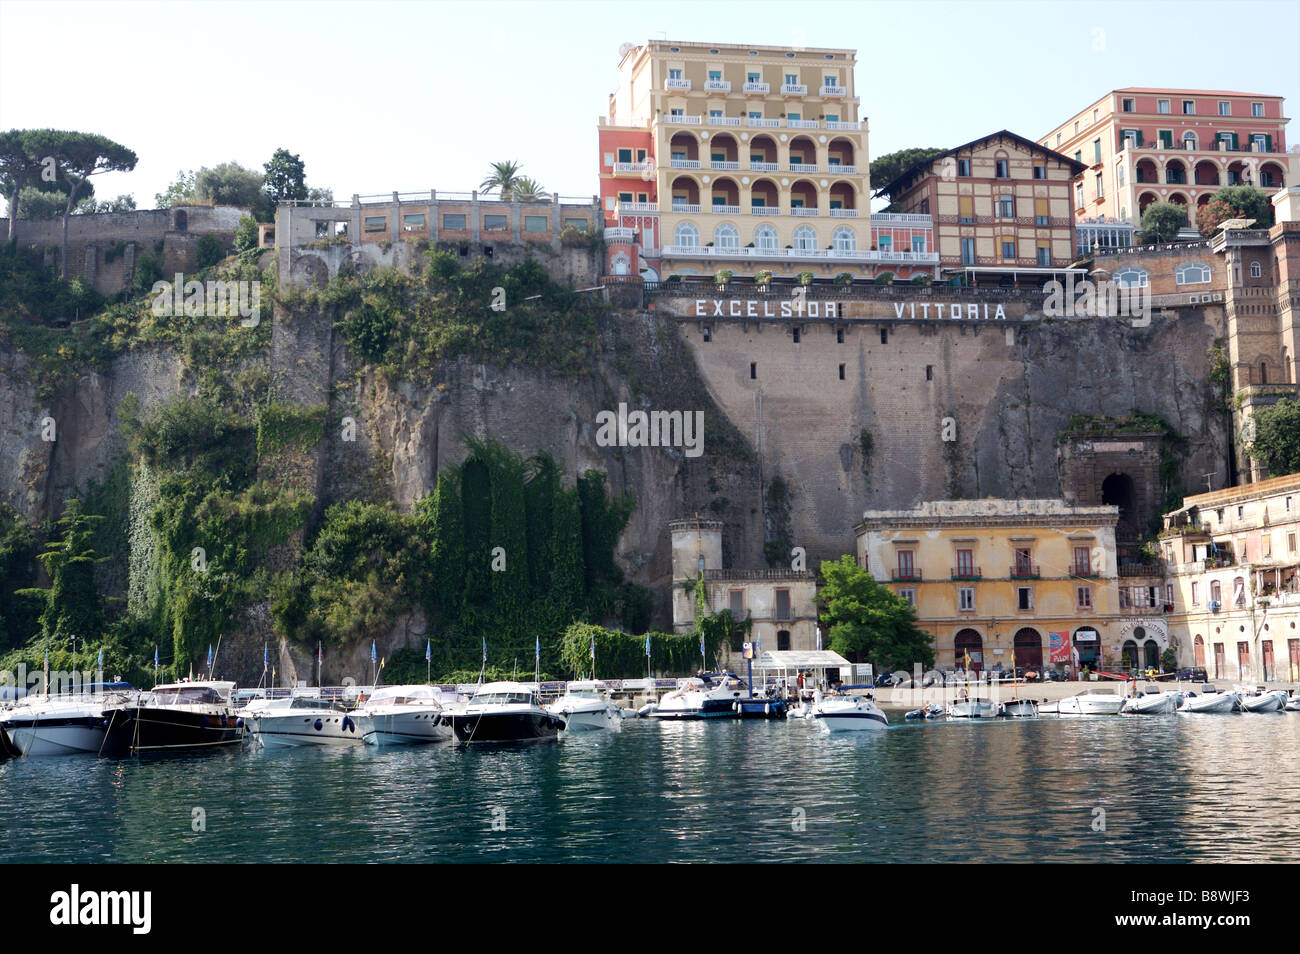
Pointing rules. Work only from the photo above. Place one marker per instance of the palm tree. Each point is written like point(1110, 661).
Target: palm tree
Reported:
point(504, 176)
point(528, 190)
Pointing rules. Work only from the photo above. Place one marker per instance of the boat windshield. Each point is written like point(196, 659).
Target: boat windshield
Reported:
point(309, 702)
point(185, 696)
point(501, 698)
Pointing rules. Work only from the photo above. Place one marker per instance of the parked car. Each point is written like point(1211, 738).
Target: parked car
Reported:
point(1193, 674)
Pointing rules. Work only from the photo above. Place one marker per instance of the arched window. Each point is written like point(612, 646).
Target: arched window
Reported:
point(805, 238)
point(1131, 278)
point(726, 236)
point(1192, 274)
point(1189, 140)
point(1216, 592)
point(1256, 270)
point(845, 240)
point(621, 265)
point(686, 234)
point(765, 237)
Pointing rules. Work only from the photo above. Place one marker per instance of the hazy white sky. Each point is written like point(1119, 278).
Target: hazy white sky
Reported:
point(416, 95)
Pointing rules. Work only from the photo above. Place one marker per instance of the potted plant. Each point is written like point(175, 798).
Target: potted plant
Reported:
point(806, 278)
point(722, 277)
point(844, 278)
point(763, 278)
point(885, 278)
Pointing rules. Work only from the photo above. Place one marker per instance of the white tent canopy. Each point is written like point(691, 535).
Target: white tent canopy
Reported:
point(794, 659)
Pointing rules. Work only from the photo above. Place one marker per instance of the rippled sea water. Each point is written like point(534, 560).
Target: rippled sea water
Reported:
point(1214, 788)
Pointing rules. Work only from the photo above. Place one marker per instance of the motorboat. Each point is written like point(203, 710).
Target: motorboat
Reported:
point(707, 697)
point(972, 709)
point(585, 707)
point(1155, 702)
point(1293, 704)
point(174, 717)
point(403, 715)
point(68, 724)
point(931, 710)
point(848, 714)
point(1019, 709)
point(1209, 700)
point(1262, 700)
point(304, 718)
point(503, 712)
point(1089, 702)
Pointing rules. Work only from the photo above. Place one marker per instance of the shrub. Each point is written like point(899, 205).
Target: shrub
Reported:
point(246, 233)
point(209, 252)
point(884, 278)
point(806, 278)
point(723, 276)
point(844, 278)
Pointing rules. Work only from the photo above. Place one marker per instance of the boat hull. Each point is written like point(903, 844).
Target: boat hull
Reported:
point(1213, 704)
point(762, 708)
point(1161, 704)
point(139, 730)
point(403, 728)
point(66, 736)
point(851, 721)
point(497, 727)
point(711, 709)
point(1268, 702)
point(972, 710)
point(1019, 709)
point(297, 730)
point(589, 720)
point(1097, 705)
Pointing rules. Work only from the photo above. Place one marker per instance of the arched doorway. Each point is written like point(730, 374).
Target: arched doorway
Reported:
point(1087, 647)
point(1129, 654)
point(1028, 649)
point(968, 642)
point(1117, 490)
point(1198, 649)
point(1151, 652)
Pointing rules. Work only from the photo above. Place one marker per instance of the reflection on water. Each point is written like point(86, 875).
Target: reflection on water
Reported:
point(1160, 788)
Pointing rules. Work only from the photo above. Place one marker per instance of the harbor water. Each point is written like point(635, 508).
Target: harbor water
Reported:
point(1091, 789)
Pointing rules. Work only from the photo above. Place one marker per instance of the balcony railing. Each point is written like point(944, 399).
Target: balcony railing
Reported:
point(681, 119)
point(684, 163)
point(903, 575)
point(716, 85)
point(805, 212)
point(724, 120)
point(677, 84)
point(967, 573)
point(760, 121)
point(794, 89)
point(757, 88)
point(764, 210)
point(725, 209)
point(1024, 571)
point(901, 218)
point(634, 207)
point(765, 167)
point(837, 169)
point(844, 213)
point(617, 234)
point(802, 254)
point(833, 91)
point(725, 165)
point(802, 124)
point(838, 124)
point(686, 208)
point(632, 168)
point(809, 167)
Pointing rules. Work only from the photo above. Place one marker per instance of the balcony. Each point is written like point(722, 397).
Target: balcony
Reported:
point(905, 575)
point(725, 209)
point(847, 127)
point(724, 166)
point(765, 167)
point(802, 124)
point(764, 210)
point(681, 119)
point(616, 234)
point(684, 163)
point(757, 88)
point(836, 169)
point(765, 123)
point(801, 254)
point(808, 167)
point(967, 573)
point(1024, 571)
point(844, 213)
point(677, 84)
point(633, 168)
point(685, 208)
point(794, 89)
point(901, 218)
point(833, 91)
point(805, 212)
point(636, 208)
point(717, 85)
point(724, 120)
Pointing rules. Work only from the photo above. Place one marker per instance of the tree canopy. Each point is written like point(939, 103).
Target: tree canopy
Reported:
point(868, 621)
point(1277, 437)
point(1235, 202)
point(286, 177)
point(1162, 221)
point(885, 169)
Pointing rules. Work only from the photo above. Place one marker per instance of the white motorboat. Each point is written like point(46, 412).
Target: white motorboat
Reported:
point(503, 712)
point(848, 714)
point(302, 719)
point(1293, 704)
point(1209, 700)
point(585, 707)
point(1091, 702)
point(972, 709)
point(65, 724)
point(1153, 703)
point(697, 698)
point(1019, 709)
point(1262, 700)
point(403, 715)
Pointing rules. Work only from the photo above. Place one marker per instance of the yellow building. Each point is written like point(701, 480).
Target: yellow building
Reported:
point(993, 580)
point(1233, 577)
point(741, 157)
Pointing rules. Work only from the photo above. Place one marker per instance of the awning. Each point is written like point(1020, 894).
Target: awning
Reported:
point(801, 659)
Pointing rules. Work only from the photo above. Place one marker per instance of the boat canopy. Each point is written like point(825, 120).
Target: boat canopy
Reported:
point(800, 659)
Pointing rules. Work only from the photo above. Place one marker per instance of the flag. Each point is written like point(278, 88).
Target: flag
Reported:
point(428, 650)
point(647, 645)
point(373, 655)
point(320, 653)
point(703, 657)
point(593, 645)
point(819, 639)
point(155, 657)
point(485, 649)
point(99, 664)
point(209, 657)
point(266, 660)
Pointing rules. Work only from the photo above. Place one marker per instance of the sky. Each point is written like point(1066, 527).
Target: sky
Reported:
point(410, 95)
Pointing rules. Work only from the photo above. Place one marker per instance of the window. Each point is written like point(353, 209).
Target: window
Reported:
point(413, 222)
point(1225, 109)
point(537, 223)
point(1007, 207)
point(1255, 270)
point(453, 221)
point(1131, 278)
point(1078, 195)
point(839, 336)
point(1192, 274)
point(686, 234)
point(1096, 151)
point(1169, 595)
point(581, 224)
point(715, 76)
point(765, 237)
point(1128, 105)
point(727, 236)
point(1268, 544)
point(1002, 169)
point(1196, 593)
point(805, 238)
point(1257, 110)
point(966, 598)
point(708, 333)
point(963, 168)
point(1101, 191)
point(1024, 597)
point(909, 595)
point(674, 74)
point(1084, 597)
point(1008, 249)
point(496, 223)
point(736, 604)
point(753, 77)
point(1216, 593)
point(1162, 106)
point(795, 116)
point(906, 565)
point(625, 155)
point(1024, 564)
point(886, 243)
point(1041, 210)
point(791, 79)
point(845, 240)
point(884, 336)
point(1125, 600)
point(968, 251)
point(625, 197)
point(755, 114)
point(1040, 172)
point(918, 243)
point(716, 114)
point(841, 372)
point(1044, 254)
point(1290, 543)
point(965, 210)
point(753, 370)
point(379, 223)
point(1082, 561)
point(965, 562)
point(1189, 107)
point(783, 604)
point(795, 334)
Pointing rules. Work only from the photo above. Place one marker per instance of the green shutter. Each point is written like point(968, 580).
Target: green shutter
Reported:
point(1268, 143)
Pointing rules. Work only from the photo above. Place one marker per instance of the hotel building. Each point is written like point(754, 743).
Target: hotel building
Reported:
point(747, 158)
point(995, 580)
point(1001, 205)
point(1143, 145)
